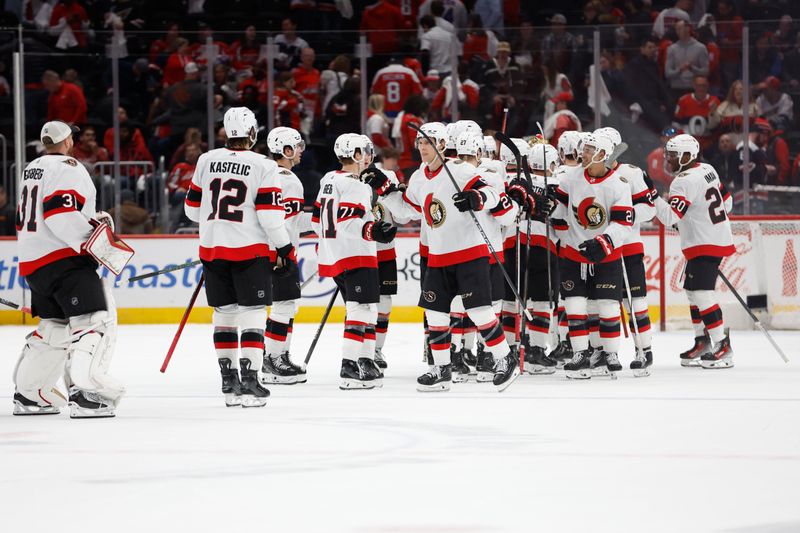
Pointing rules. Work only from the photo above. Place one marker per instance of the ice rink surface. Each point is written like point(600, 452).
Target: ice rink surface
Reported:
point(683, 450)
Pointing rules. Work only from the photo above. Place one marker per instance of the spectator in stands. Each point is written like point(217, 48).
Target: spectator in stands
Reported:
point(559, 44)
point(758, 163)
point(491, 13)
point(686, 59)
point(765, 60)
point(198, 50)
point(726, 162)
point(437, 12)
point(480, 43)
point(192, 136)
point(786, 35)
point(307, 80)
point(224, 86)
point(333, 78)
point(377, 123)
point(502, 84)
point(468, 97)
point(87, 151)
point(288, 102)
point(433, 82)
point(381, 21)
point(645, 87)
point(161, 48)
point(774, 105)
point(729, 115)
point(557, 88)
point(670, 16)
point(693, 111)
point(454, 12)
point(656, 163)
point(175, 68)
point(562, 118)
point(705, 34)
point(775, 149)
point(180, 177)
point(791, 66)
point(437, 47)
point(729, 37)
point(397, 83)
point(343, 114)
point(185, 104)
point(414, 112)
point(108, 136)
point(246, 51)
point(69, 22)
point(66, 101)
point(389, 159)
point(289, 45)
point(130, 150)
point(7, 215)
point(133, 218)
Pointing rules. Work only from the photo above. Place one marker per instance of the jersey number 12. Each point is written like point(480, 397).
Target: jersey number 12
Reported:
point(222, 207)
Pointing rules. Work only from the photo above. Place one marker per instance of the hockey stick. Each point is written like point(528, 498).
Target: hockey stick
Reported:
point(182, 324)
point(475, 219)
point(753, 317)
point(636, 339)
point(172, 268)
point(319, 330)
point(309, 280)
point(502, 130)
point(547, 227)
point(624, 323)
point(16, 306)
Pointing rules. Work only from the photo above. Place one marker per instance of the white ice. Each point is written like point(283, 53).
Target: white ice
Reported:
point(683, 450)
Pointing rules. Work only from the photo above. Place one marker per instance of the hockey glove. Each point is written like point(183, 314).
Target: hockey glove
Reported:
point(652, 192)
point(518, 190)
point(376, 179)
point(469, 200)
point(597, 249)
point(285, 261)
point(379, 231)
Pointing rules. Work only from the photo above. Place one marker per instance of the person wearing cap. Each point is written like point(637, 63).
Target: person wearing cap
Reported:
point(66, 101)
point(502, 86)
point(56, 217)
point(775, 149)
point(774, 105)
point(559, 44)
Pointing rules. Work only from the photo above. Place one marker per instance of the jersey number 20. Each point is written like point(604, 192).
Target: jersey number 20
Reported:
point(223, 207)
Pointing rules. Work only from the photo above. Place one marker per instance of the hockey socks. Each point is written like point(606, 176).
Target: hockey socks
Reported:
point(710, 314)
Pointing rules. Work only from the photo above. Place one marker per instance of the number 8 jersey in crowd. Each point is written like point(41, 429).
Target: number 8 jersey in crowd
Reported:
point(56, 201)
point(698, 204)
point(236, 198)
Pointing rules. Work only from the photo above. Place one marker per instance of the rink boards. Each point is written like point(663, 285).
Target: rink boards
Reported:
point(162, 299)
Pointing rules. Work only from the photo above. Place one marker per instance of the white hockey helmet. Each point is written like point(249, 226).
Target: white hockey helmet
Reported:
point(541, 152)
point(452, 136)
point(600, 143)
point(467, 126)
point(470, 144)
point(683, 144)
point(282, 137)
point(611, 133)
point(370, 147)
point(507, 157)
point(489, 145)
point(568, 144)
point(348, 145)
point(436, 131)
point(240, 122)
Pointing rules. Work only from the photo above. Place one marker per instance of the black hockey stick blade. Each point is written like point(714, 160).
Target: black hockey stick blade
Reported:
point(8, 303)
point(172, 268)
point(506, 140)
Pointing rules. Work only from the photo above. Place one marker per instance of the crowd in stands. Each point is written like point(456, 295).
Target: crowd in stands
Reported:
point(665, 67)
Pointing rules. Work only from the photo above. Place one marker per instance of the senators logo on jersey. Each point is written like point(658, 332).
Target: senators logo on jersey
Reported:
point(435, 212)
point(378, 212)
point(589, 213)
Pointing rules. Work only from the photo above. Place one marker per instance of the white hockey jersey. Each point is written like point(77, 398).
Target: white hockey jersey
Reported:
point(342, 209)
point(699, 204)
point(56, 201)
point(538, 231)
point(504, 214)
point(383, 212)
point(643, 207)
point(452, 235)
point(236, 197)
point(297, 220)
point(588, 207)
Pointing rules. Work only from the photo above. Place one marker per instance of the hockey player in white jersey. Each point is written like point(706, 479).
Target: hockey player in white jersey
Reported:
point(235, 195)
point(347, 231)
point(699, 205)
point(594, 216)
point(286, 148)
point(456, 266)
point(56, 225)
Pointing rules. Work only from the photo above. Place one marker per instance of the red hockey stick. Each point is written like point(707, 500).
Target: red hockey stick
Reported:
point(182, 324)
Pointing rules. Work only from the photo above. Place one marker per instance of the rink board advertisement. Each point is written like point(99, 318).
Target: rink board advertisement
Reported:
point(759, 267)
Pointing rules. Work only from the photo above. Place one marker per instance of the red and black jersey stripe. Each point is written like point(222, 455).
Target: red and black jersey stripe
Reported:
point(562, 196)
point(62, 202)
point(559, 224)
point(622, 215)
point(349, 211)
point(315, 213)
point(269, 198)
point(194, 196)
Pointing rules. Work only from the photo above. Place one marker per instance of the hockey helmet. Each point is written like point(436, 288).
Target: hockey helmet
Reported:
point(240, 122)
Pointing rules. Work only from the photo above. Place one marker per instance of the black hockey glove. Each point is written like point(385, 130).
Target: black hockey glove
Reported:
point(518, 190)
point(652, 192)
point(285, 264)
point(597, 249)
point(379, 231)
point(376, 179)
point(469, 200)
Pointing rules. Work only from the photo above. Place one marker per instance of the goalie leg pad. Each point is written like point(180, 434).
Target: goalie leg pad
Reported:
point(90, 354)
point(39, 368)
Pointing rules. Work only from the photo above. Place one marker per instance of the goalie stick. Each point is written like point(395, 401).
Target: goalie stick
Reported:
point(477, 222)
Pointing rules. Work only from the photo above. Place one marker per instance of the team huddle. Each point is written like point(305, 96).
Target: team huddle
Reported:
point(528, 254)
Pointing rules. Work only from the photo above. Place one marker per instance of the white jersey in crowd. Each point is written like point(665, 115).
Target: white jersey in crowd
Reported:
point(538, 233)
point(56, 201)
point(236, 198)
point(504, 214)
point(297, 221)
point(452, 235)
point(343, 207)
point(699, 204)
point(383, 212)
point(588, 207)
point(643, 207)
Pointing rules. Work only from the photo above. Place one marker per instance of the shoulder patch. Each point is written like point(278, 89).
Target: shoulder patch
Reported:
point(683, 174)
point(490, 170)
point(71, 162)
point(623, 179)
point(285, 172)
point(457, 161)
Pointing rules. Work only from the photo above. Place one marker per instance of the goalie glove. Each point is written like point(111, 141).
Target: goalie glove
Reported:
point(597, 249)
point(377, 180)
point(469, 200)
point(102, 216)
point(382, 232)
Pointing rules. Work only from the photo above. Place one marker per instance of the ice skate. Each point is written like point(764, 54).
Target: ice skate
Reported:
point(537, 361)
point(276, 371)
point(460, 370)
point(612, 362)
point(85, 404)
point(579, 367)
point(692, 356)
point(485, 366)
point(369, 367)
point(380, 359)
point(506, 370)
point(353, 376)
point(253, 394)
point(561, 354)
point(470, 359)
point(231, 386)
point(599, 364)
point(641, 365)
point(720, 357)
point(301, 372)
point(26, 407)
point(436, 379)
